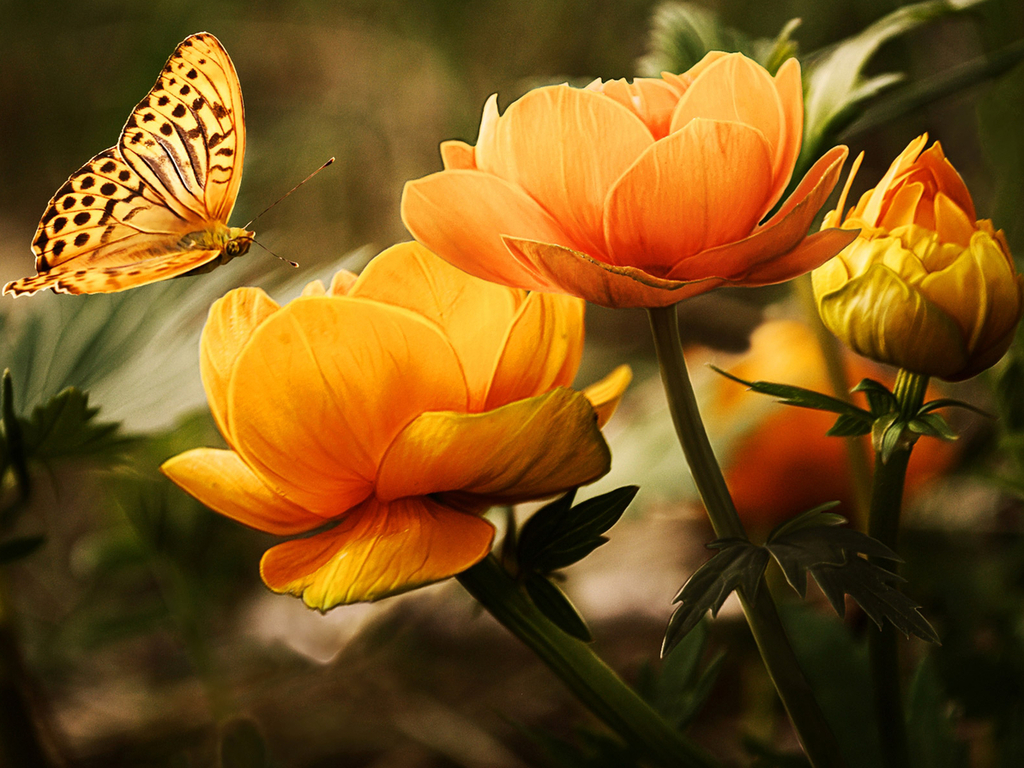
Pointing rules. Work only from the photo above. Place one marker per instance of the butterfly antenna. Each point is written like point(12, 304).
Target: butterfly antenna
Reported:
point(314, 173)
point(261, 245)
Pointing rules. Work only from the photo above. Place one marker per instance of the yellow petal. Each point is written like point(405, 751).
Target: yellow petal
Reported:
point(565, 147)
point(542, 350)
point(232, 320)
point(342, 282)
point(951, 223)
point(473, 314)
point(700, 187)
point(457, 155)
point(223, 482)
point(870, 207)
point(323, 388)
point(604, 395)
point(461, 216)
point(314, 288)
point(902, 208)
point(378, 550)
point(526, 450)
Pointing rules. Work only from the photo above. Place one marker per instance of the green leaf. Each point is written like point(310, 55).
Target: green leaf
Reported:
point(820, 515)
point(886, 435)
point(65, 427)
point(947, 402)
point(558, 534)
point(683, 685)
point(933, 742)
point(933, 425)
point(804, 398)
point(555, 604)
point(242, 745)
point(19, 548)
point(850, 425)
point(880, 400)
point(737, 565)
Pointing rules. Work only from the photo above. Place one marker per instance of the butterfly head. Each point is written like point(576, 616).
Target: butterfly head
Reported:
point(237, 243)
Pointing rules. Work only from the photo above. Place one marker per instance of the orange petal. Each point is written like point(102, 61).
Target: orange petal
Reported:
point(458, 155)
point(580, 275)
point(681, 82)
point(902, 208)
point(232, 320)
point(542, 350)
point(323, 388)
point(951, 222)
point(526, 450)
point(461, 216)
point(565, 147)
point(604, 395)
point(224, 483)
point(314, 288)
point(474, 315)
point(872, 210)
point(810, 253)
point(949, 181)
point(791, 94)
point(702, 186)
point(378, 550)
point(651, 99)
point(342, 282)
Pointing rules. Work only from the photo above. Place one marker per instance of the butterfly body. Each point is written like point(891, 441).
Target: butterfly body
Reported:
point(156, 205)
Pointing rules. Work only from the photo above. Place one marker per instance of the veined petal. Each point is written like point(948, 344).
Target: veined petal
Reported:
point(702, 186)
point(223, 482)
point(342, 283)
point(473, 314)
point(950, 182)
point(651, 99)
point(526, 450)
point(565, 147)
point(810, 253)
point(580, 275)
point(951, 222)
point(541, 351)
point(461, 216)
point(232, 320)
point(378, 550)
point(604, 395)
point(458, 155)
point(791, 94)
point(325, 386)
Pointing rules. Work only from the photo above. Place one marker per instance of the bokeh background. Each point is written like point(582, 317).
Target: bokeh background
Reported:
point(143, 632)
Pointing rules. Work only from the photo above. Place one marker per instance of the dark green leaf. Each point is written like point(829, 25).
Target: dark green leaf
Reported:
point(553, 603)
point(930, 733)
point(947, 402)
point(880, 399)
point(933, 425)
point(683, 686)
point(768, 756)
point(242, 745)
point(804, 398)
point(737, 565)
point(820, 515)
point(559, 534)
point(19, 548)
point(850, 425)
point(887, 435)
point(65, 427)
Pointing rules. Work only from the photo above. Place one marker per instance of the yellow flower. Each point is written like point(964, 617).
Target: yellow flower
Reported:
point(926, 286)
point(382, 417)
point(634, 194)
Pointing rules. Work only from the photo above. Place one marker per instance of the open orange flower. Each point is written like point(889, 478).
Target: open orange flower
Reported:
point(634, 195)
point(398, 407)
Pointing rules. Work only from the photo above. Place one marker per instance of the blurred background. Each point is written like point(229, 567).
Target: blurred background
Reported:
point(139, 629)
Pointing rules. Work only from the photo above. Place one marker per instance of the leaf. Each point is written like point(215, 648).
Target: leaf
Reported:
point(737, 565)
point(947, 402)
point(930, 733)
point(682, 687)
point(820, 515)
point(65, 427)
point(242, 745)
point(886, 434)
point(20, 548)
point(555, 604)
point(933, 425)
point(804, 398)
point(850, 425)
point(558, 534)
point(880, 400)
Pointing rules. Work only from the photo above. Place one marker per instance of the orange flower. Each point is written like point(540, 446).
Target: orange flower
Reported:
point(634, 195)
point(396, 407)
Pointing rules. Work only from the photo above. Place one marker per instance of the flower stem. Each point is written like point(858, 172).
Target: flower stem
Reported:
point(586, 675)
point(884, 525)
point(797, 696)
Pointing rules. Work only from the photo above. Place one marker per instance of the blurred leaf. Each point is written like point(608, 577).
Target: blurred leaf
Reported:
point(559, 534)
point(1000, 115)
point(242, 745)
point(880, 400)
point(596, 750)
point(850, 425)
point(804, 398)
point(555, 604)
point(947, 402)
point(737, 565)
point(19, 548)
point(933, 743)
point(65, 427)
point(767, 756)
point(683, 686)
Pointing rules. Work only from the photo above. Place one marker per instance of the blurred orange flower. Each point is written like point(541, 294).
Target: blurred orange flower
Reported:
point(634, 195)
point(927, 286)
point(396, 407)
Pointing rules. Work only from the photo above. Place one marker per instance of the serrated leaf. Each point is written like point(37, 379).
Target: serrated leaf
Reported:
point(804, 398)
point(242, 745)
point(19, 548)
point(65, 426)
point(559, 534)
point(880, 400)
point(933, 425)
point(737, 565)
point(875, 590)
point(850, 425)
point(555, 604)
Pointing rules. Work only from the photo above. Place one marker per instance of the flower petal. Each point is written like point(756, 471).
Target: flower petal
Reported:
point(810, 253)
point(541, 351)
point(580, 275)
point(378, 550)
point(791, 93)
point(461, 216)
point(700, 187)
point(224, 483)
point(651, 99)
point(950, 182)
point(526, 450)
point(565, 147)
point(604, 395)
point(342, 282)
point(232, 320)
point(457, 155)
point(323, 388)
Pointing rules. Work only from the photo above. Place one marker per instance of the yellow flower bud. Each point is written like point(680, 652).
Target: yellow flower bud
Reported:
point(926, 286)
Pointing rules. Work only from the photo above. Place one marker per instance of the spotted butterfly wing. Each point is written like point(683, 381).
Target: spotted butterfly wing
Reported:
point(156, 205)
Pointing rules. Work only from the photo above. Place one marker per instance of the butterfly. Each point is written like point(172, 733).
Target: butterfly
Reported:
point(156, 205)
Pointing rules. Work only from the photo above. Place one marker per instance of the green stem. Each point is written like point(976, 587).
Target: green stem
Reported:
point(586, 675)
point(797, 696)
point(884, 525)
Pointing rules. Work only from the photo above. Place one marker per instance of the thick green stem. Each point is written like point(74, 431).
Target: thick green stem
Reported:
point(884, 525)
point(797, 696)
point(586, 675)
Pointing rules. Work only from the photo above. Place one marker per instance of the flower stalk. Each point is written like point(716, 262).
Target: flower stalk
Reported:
point(583, 672)
point(780, 661)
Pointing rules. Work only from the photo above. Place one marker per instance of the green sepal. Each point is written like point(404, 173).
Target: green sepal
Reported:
point(885, 435)
point(20, 548)
point(850, 425)
point(880, 400)
point(556, 605)
point(804, 398)
point(933, 425)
